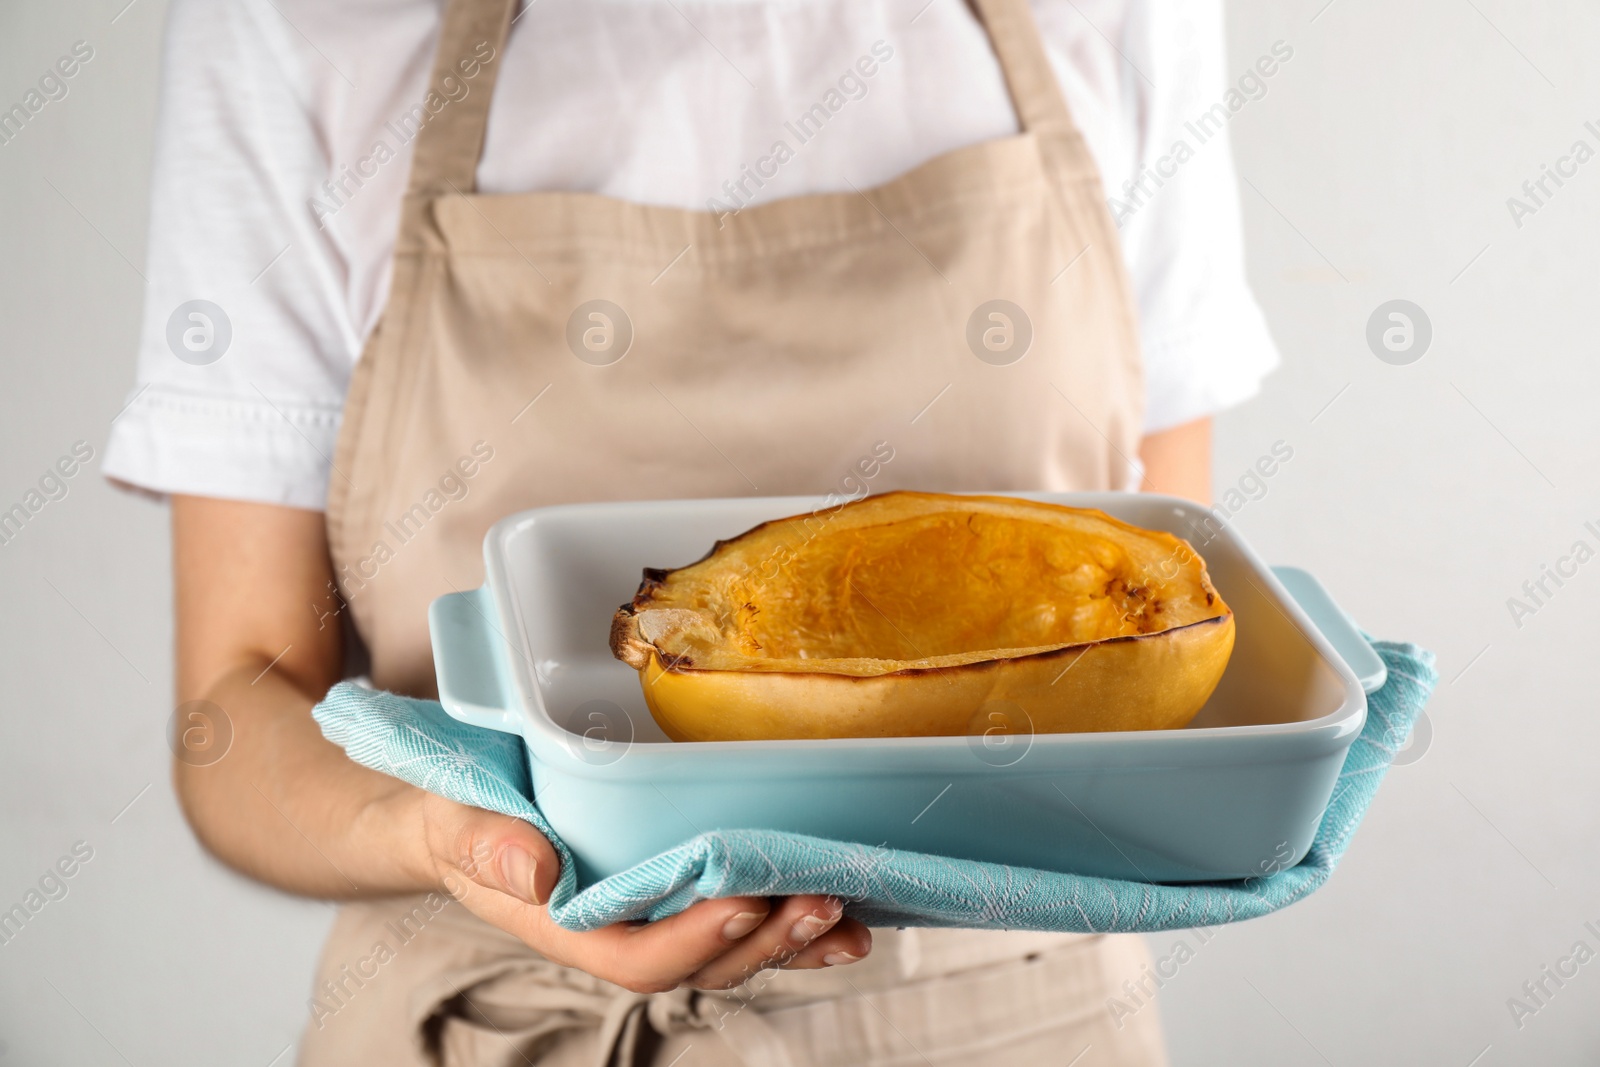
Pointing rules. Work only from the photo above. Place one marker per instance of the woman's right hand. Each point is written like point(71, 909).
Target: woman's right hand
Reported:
point(503, 870)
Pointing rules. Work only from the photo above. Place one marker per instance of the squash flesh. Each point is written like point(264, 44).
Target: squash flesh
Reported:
point(949, 584)
point(907, 613)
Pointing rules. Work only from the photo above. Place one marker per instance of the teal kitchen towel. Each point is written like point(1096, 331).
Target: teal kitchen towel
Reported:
point(417, 741)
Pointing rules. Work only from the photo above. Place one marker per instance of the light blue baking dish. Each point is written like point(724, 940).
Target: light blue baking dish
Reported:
point(1238, 792)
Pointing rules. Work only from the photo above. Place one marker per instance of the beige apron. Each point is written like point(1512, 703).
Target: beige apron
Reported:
point(544, 348)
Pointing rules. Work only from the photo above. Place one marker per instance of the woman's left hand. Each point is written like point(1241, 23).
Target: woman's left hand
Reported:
point(503, 870)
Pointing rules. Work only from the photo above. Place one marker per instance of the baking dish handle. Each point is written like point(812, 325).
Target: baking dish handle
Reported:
point(466, 663)
point(1340, 630)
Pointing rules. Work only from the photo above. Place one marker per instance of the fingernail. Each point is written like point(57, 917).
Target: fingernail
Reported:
point(811, 927)
point(517, 868)
point(741, 924)
point(839, 959)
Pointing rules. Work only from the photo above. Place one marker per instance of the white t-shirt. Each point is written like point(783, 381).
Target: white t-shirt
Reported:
point(273, 201)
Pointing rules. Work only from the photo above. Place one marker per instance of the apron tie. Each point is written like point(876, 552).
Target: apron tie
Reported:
point(495, 1013)
point(731, 1020)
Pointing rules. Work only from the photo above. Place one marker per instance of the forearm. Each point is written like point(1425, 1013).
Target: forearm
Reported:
point(1178, 461)
point(286, 806)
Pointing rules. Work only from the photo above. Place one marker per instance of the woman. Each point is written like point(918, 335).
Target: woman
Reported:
point(691, 250)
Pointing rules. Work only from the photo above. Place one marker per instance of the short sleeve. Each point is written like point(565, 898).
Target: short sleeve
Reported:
point(248, 339)
point(1205, 341)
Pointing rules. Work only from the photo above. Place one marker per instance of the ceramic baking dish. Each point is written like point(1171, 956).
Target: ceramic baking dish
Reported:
point(1239, 791)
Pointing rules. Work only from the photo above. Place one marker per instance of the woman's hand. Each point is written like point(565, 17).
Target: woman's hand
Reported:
point(503, 870)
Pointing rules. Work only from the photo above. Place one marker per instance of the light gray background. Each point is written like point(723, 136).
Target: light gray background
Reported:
point(1378, 167)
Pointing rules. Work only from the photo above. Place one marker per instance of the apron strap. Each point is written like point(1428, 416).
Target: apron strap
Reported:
point(451, 143)
point(1035, 92)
